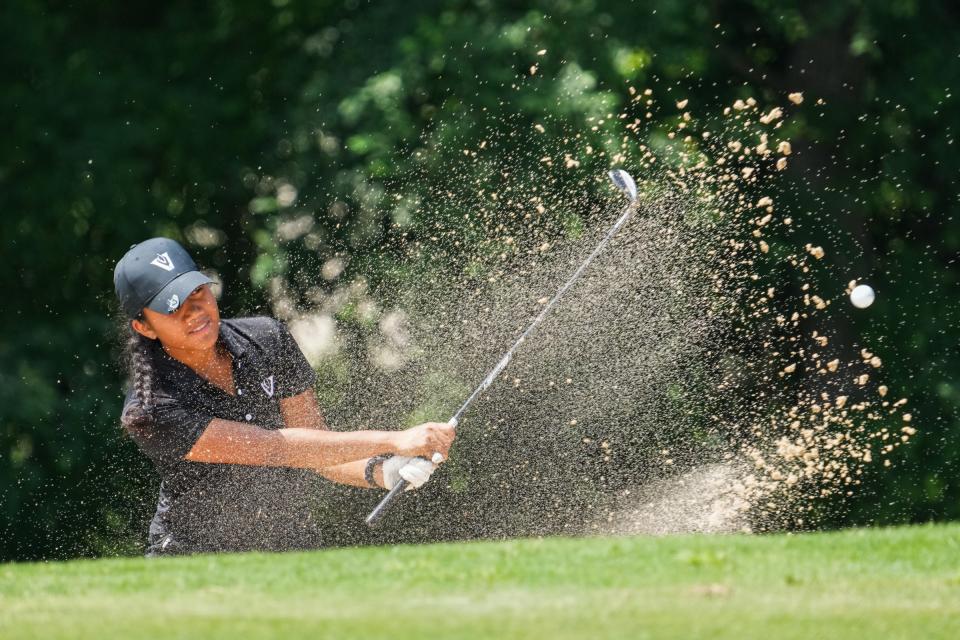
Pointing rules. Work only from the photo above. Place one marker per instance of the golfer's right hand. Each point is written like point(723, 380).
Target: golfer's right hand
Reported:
point(425, 440)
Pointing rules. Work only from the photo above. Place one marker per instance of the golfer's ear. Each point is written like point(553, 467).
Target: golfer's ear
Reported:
point(143, 328)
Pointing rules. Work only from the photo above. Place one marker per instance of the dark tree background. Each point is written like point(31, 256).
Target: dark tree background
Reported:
point(127, 120)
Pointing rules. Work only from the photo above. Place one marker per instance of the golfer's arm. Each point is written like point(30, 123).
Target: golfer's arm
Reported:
point(352, 473)
point(302, 411)
point(228, 442)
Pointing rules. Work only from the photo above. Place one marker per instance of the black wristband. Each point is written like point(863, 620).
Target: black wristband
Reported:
point(372, 465)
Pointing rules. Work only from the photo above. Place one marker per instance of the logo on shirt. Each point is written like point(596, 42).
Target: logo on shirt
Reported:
point(267, 386)
point(173, 302)
point(163, 261)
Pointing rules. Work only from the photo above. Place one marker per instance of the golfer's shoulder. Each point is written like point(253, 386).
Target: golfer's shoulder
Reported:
point(253, 326)
point(261, 333)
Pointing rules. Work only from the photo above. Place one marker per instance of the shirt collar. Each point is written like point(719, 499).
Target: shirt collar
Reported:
point(235, 343)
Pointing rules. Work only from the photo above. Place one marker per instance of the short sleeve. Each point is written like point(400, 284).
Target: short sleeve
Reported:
point(168, 432)
point(296, 374)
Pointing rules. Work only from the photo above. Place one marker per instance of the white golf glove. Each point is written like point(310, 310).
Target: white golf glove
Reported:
point(416, 471)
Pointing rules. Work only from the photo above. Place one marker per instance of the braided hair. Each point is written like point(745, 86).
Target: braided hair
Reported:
point(139, 362)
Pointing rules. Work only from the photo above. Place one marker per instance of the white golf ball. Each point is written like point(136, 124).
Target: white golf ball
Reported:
point(862, 296)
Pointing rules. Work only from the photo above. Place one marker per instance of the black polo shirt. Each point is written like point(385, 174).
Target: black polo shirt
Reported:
point(221, 507)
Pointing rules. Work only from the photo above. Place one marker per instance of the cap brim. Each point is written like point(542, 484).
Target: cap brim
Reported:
point(174, 294)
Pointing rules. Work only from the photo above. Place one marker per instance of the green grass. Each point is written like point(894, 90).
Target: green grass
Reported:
point(884, 583)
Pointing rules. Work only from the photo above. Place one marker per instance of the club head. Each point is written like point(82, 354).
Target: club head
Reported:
point(624, 182)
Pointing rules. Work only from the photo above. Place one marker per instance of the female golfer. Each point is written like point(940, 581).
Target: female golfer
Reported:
point(226, 411)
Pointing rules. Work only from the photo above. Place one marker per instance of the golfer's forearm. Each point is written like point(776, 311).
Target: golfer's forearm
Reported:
point(352, 473)
point(313, 449)
point(228, 442)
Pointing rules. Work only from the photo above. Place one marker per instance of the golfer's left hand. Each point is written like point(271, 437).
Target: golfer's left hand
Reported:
point(416, 471)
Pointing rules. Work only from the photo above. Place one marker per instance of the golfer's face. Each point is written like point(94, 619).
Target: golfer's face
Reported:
point(195, 325)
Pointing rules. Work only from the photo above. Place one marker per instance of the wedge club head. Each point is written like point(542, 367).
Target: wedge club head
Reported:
point(624, 182)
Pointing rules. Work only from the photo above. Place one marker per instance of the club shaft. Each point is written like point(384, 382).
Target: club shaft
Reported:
point(398, 489)
point(508, 356)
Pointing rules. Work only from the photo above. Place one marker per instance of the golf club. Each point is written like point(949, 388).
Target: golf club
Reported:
point(622, 181)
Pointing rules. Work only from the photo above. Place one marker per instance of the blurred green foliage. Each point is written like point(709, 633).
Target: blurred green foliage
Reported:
point(127, 120)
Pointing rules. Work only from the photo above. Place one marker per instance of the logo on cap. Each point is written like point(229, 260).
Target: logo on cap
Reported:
point(163, 261)
point(173, 302)
point(267, 386)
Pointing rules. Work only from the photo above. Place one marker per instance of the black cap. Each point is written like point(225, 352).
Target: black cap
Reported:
point(157, 274)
